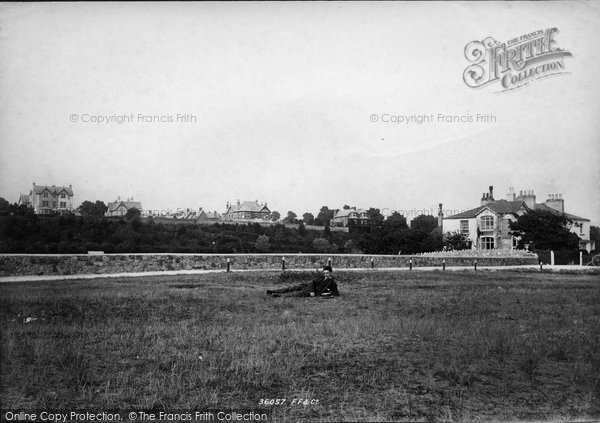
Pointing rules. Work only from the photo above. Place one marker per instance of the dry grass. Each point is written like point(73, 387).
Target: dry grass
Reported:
point(452, 346)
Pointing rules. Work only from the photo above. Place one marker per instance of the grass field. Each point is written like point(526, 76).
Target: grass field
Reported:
point(451, 346)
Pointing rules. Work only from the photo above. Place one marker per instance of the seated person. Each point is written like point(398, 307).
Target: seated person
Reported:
point(322, 286)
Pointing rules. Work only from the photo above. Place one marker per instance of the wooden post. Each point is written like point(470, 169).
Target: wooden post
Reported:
point(581, 258)
point(329, 262)
point(541, 266)
point(372, 264)
point(410, 264)
point(283, 263)
point(475, 265)
point(444, 264)
point(552, 257)
point(228, 265)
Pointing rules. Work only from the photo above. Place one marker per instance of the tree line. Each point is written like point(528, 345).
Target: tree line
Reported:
point(24, 232)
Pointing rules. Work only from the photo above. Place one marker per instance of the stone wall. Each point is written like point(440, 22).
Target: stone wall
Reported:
point(72, 264)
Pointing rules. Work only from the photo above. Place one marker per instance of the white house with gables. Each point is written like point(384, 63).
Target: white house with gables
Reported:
point(487, 226)
point(48, 199)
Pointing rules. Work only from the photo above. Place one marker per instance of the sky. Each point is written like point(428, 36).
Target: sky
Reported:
point(292, 104)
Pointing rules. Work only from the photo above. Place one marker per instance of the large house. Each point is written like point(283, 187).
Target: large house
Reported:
point(487, 226)
point(120, 208)
point(46, 199)
point(349, 216)
point(247, 210)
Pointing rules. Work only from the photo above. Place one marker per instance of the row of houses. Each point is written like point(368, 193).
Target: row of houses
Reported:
point(485, 226)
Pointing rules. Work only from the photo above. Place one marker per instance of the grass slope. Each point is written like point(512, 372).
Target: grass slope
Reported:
point(395, 346)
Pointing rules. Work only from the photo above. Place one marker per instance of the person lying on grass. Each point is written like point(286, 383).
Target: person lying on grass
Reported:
point(322, 286)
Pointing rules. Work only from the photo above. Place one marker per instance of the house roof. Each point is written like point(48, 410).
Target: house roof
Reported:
point(557, 212)
point(248, 206)
point(510, 207)
point(500, 207)
point(346, 212)
point(24, 199)
point(52, 189)
point(127, 204)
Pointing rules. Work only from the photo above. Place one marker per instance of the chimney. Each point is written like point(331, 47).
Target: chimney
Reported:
point(440, 218)
point(528, 197)
point(491, 198)
point(556, 202)
point(511, 196)
point(485, 198)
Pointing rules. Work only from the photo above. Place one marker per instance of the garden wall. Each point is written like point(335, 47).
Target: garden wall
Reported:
point(72, 264)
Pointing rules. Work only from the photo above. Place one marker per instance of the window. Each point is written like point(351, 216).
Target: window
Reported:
point(54, 204)
point(44, 204)
point(464, 227)
point(487, 223)
point(63, 196)
point(487, 243)
point(63, 204)
point(45, 195)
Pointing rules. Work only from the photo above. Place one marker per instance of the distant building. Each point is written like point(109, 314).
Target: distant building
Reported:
point(48, 199)
point(349, 216)
point(487, 226)
point(247, 210)
point(120, 208)
point(211, 216)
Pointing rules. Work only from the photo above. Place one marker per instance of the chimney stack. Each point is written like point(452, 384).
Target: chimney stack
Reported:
point(491, 197)
point(510, 196)
point(556, 202)
point(528, 197)
point(441, 218)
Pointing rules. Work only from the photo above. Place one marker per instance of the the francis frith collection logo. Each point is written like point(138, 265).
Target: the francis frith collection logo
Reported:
point(515, 62)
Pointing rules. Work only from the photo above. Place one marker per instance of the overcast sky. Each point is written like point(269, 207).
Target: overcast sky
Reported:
point(283, 96)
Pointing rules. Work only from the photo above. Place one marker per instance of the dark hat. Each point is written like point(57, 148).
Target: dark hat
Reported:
point(327, 268)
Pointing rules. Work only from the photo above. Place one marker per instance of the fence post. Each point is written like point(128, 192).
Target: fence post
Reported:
point(228, 265)
point(444, 264)
point(581, 258)
point(329, 262)
point(283, 263)
point(541, 266)
point(475, 265)
point(372, 263)
point(552, 257)
point(410, 264)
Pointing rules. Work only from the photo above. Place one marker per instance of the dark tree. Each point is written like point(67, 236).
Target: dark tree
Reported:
point(97, 209)
point(4, 207)
point(133, 213)
point(396, 220)
point(290, 218)
point(308, 218)
point(275, 216)
point(324, 216)
point(375, 216)
point(544, 230)
point(424, 222)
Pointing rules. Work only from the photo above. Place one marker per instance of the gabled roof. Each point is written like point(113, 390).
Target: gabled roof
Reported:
point(346, 212)
point(24, 199)
point(248, 206)
point(499, 207)
point(558, 213)
point(52, 189)
point(127, 204)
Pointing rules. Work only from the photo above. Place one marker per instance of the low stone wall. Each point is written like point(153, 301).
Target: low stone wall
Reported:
point(73, 264)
